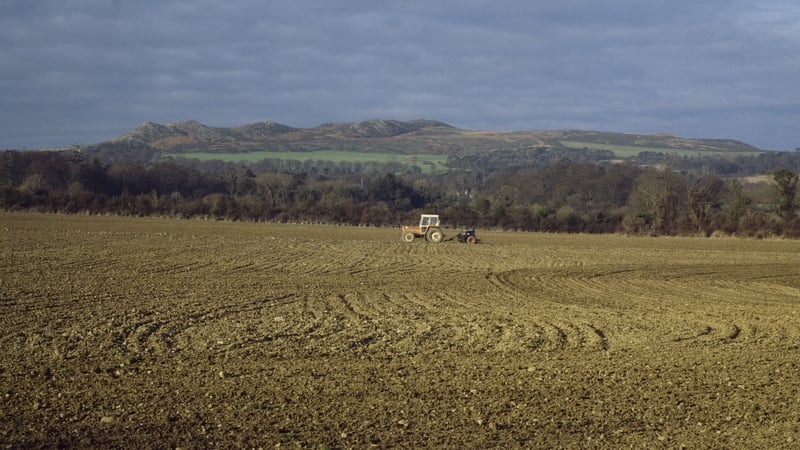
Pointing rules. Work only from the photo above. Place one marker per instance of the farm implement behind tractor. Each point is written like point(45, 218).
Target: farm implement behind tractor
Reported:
point(429, 228)
point(467, 236)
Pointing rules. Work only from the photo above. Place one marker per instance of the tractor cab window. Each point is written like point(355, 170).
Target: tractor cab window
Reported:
point(426, 221)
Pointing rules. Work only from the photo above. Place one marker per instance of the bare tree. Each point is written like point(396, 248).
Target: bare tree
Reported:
point(703, 197)
point(786, 183)
point(655, 203)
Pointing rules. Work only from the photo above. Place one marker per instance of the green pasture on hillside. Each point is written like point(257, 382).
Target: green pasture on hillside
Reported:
point(626, 151)
point(426, 162)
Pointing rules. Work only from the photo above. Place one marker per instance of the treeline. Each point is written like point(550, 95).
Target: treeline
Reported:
point(588, 197)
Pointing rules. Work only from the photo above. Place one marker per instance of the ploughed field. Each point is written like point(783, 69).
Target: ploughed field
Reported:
point(141, 332)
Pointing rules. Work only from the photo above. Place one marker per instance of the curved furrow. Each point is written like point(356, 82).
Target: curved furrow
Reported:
point(556, 337)
point(509, 328)
point(59, 316)
point(230, 325)
point(333, 323)
point(137, 336)
point(426, 323)
point(711, 333)
point(26, 339)
point(789, 280)
point(87, 263)
point(597, 338)
point(194, 326)
point(515, 337)
point(677, 290)
point(538, 298)
point(691, 298)
point(503, 280)
point(385, 266)
point(157, 266)
point(573, 335)
point(408, 323)
point(685, 303)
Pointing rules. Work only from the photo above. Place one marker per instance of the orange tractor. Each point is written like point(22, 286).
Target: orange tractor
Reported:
point(430, 228)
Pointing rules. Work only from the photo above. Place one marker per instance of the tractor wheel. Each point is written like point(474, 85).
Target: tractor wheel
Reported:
point(408, 236)
point(434, 235)
point(472, 240)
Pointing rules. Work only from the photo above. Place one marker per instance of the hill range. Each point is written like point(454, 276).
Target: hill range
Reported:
point(420, 136)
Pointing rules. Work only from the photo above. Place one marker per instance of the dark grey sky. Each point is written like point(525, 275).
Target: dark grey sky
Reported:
point(84, 71)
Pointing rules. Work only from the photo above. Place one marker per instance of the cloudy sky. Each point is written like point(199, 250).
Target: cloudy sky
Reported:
point(85, 71)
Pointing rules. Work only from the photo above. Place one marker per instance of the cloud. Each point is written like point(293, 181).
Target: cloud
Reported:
point(82, 71)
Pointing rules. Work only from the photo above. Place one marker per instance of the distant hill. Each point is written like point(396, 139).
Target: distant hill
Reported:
point(404, 137)
point(195, 135)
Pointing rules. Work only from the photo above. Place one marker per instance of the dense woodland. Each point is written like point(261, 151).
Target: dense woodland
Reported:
point(572, 191)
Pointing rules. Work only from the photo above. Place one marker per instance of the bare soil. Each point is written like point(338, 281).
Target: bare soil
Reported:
point(158, 333)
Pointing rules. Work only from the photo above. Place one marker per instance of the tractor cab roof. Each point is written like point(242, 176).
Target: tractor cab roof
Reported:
point(428, 220)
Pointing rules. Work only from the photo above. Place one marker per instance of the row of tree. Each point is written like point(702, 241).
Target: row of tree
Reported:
point(561, 197)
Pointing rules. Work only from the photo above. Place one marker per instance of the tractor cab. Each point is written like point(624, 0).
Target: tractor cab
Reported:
point(428, 220)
